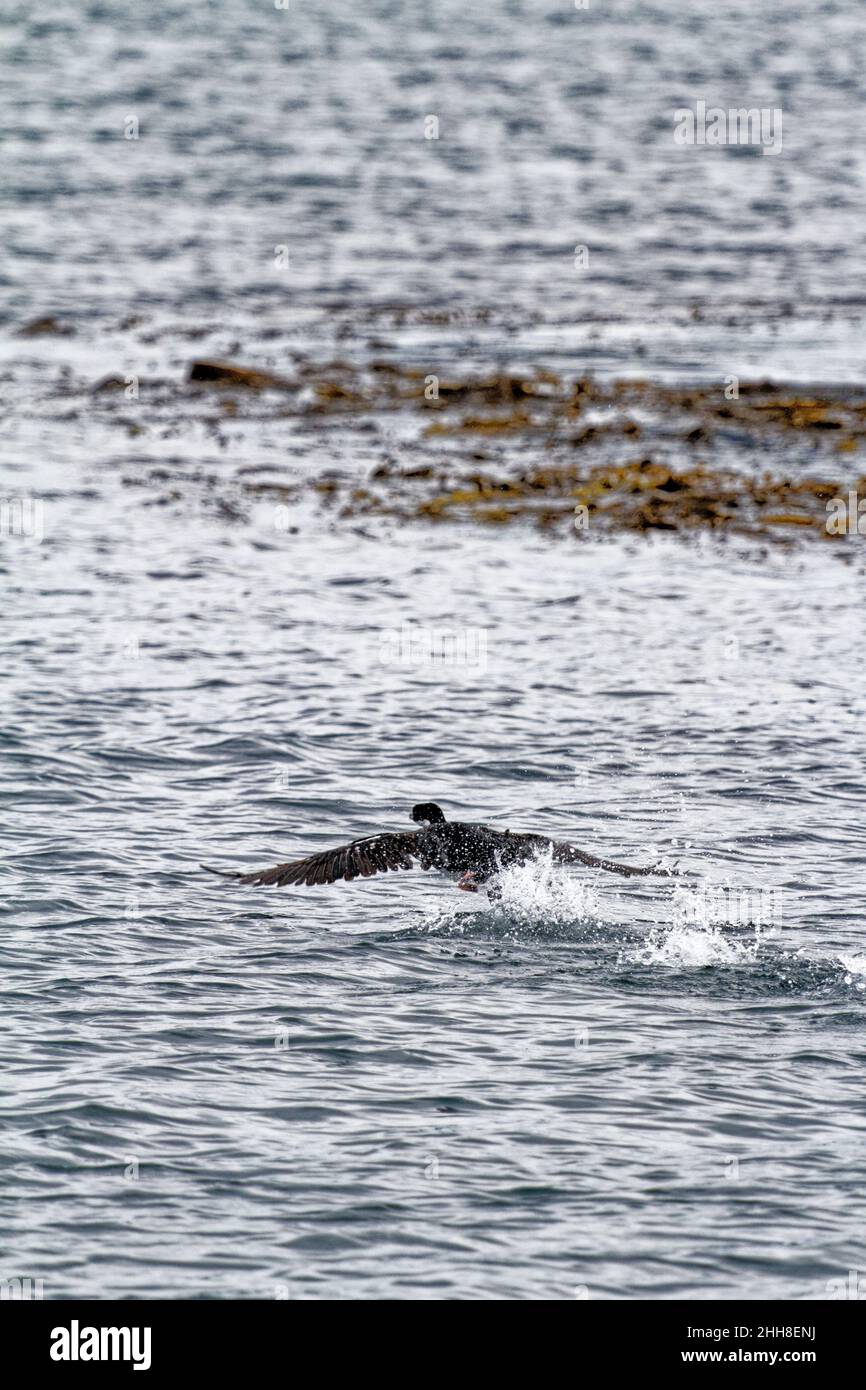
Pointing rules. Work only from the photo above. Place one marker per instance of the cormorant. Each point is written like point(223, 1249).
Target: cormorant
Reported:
point(474, 852)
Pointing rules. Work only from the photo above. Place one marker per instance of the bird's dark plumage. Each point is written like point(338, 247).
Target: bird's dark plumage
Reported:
point(477, 852)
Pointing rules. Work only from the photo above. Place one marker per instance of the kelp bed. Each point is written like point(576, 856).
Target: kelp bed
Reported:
point(542, 448)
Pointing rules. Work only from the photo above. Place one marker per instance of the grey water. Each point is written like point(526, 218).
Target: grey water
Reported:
point(595, 1087)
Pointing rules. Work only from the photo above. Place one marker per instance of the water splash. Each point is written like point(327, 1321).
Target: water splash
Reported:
point(854, 966)
point(700, 931)
point(540, 891)
point(533, 897)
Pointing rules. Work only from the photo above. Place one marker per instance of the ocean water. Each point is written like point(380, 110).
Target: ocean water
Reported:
point(595, 1087)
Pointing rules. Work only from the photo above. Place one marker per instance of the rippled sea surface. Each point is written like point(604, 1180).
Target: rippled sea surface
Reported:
point(595, 1086)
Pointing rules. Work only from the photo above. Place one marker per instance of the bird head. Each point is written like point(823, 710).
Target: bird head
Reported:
point(428, 813)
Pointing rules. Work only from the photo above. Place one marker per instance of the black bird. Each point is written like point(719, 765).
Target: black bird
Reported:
point(475, 852)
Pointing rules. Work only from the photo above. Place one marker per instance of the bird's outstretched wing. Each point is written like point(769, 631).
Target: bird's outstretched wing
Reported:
point(565, 853)
point(376, 854)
